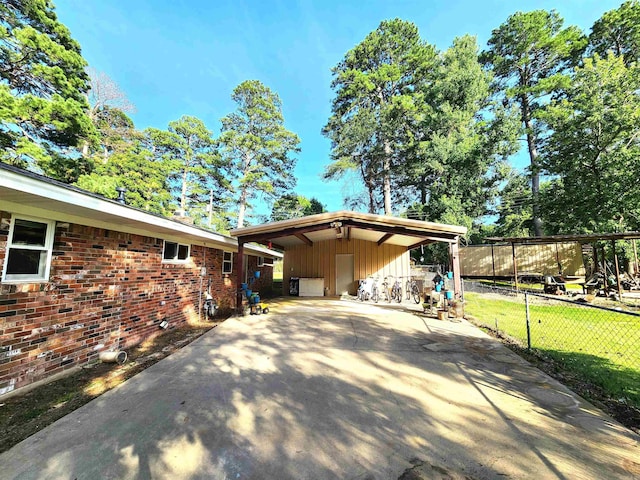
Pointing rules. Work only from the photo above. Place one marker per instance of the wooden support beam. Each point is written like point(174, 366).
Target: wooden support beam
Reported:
point(399, 230)
point(347, 234)
point(265, 238)
point(276, 246)
point(350, 224)
point(385, 237)
point(427, 241)
point(615, 260)
point(454, 257)
point(304, 238)
point(515, 266)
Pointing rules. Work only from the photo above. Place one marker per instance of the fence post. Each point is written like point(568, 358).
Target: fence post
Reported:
point(526, 306)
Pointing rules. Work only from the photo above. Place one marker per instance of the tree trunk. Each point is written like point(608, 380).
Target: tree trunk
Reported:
point(423, 191)
point(372, 196)
point(242, 207)
point(386, 177)
point(386, 163)
point(368, 181)
point(533, 157)
point(183, 194)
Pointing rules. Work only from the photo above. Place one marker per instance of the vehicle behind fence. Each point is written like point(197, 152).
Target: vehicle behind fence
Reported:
point(597, 345)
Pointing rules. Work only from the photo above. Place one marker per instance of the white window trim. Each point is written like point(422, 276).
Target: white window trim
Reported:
point(48, 247)
point(230, 262)
point(260, 261)
point(176, 259)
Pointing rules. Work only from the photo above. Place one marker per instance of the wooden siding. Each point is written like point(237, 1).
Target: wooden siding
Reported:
point(319, 261)
point(475, 261)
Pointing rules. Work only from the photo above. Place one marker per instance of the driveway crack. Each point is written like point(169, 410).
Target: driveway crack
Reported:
point(353, 327)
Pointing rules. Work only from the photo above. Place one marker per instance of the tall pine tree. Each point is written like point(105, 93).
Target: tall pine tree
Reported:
point(42, 91)
point(257, 146)
point(530, 54)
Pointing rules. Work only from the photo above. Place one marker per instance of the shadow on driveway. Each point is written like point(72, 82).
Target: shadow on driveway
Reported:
point(324, 389)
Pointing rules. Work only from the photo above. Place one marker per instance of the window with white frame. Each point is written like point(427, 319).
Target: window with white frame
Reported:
point(227, 262)
point(175, 252)
point(29, 246)
point(260, 261)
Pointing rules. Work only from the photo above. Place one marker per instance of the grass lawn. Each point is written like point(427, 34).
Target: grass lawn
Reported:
point(598, 346)
point(277, 271)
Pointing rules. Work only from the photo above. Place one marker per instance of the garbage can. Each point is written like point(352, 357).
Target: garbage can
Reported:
point(294, 286)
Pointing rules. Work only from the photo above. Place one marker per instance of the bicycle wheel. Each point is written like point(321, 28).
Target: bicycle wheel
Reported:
point(415, 292)
point(398, 295)
point(374, 294)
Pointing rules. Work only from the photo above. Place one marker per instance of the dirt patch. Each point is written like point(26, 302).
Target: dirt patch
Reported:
point(23, 415)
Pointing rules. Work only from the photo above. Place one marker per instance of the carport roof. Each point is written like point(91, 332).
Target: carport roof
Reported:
point(347, 225)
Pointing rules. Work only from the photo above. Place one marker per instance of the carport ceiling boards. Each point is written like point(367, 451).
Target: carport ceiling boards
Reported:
point(348, 225)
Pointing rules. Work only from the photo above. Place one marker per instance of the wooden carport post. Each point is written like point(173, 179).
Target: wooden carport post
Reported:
point(615, 259)
point(515, 265)
point(238, 266)
point(454, 254)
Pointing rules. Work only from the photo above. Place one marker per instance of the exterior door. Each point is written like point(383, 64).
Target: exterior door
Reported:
point(344, 274)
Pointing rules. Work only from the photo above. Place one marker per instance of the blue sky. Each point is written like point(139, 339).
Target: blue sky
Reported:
point(184, 57)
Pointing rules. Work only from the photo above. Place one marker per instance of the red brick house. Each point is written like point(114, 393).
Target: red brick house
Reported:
point(83, 274)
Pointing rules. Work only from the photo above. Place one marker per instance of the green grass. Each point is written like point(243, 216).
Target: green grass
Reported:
point(277, 271)
point(599, 346)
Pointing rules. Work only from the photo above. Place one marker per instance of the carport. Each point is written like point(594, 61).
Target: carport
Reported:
point(338, 248)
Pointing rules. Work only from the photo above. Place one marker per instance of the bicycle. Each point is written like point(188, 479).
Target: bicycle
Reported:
point(385, 290)
point(365, 289)
point(396, 291)
point(413, 290)
point(361, 293)
point(375, 294)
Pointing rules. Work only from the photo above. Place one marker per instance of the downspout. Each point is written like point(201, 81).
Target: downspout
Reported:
point(238, 269)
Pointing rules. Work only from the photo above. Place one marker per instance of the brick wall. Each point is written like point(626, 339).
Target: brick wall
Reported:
point(107, 289)
point(263, 284)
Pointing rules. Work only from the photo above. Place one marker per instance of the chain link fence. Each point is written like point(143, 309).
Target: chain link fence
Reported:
point(596, 345)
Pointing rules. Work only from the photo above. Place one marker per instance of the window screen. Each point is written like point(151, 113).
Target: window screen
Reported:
point(28, 250)
point(175, 252)
point(227, 262)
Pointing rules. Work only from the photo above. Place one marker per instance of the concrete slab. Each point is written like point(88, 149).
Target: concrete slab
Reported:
point(324, 389)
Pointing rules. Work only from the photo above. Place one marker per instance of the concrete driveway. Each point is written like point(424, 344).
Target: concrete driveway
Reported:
point(329, 389)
